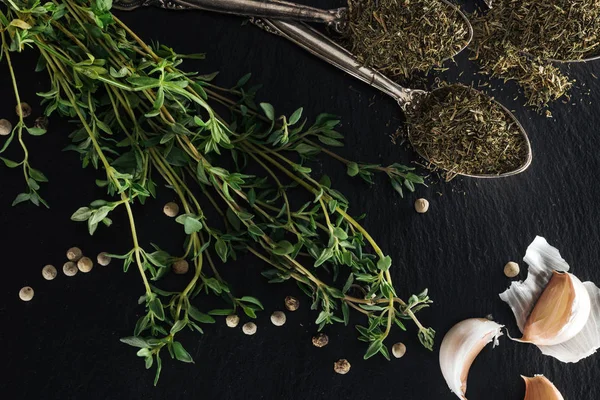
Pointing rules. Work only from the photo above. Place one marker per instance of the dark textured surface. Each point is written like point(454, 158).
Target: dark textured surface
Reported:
point(64, 344)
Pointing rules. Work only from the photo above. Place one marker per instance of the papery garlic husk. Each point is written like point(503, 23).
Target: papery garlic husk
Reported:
point(565, 324)
point(540, 388)
point(460, 347)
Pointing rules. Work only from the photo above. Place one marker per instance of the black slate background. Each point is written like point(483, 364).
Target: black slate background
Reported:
point(64, 344)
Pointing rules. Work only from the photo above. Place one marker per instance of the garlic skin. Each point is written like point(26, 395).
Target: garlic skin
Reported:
point(460, 347)
point(574, 342)
point(540, 388)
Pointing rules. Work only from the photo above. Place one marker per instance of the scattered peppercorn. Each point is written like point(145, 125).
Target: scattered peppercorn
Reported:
point(23, 109)
point(341, 366)
point(26, 293)
point(171, 209)
point(5, 127)
point(70, 268)
point(249, 328)
point(398, 350)
point(232, 321)
point(49, 272)
point(278, 318)
point(291, 303)
point(180, 267)
point(511, 269)
point(103, 259)
point(421, 206)
point(85, 264)
point(41, 123)
point(320, 340)
point(74, 254)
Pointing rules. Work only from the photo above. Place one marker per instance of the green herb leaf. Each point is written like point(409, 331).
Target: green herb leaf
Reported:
point(352, 169)
point(135, 341)
point(181, 354)
point(268, 110)
point(283, 248)
point(384, 263)
point(253, 300)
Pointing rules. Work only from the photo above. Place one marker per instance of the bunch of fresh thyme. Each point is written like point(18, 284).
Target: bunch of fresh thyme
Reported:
point(142, 120)
point(515, 39)
point(401, 37)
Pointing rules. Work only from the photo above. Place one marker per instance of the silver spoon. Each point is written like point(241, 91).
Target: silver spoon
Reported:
point(326, 49)
point(277, 9)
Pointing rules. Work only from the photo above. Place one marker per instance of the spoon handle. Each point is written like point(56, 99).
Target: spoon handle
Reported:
point(328, 50)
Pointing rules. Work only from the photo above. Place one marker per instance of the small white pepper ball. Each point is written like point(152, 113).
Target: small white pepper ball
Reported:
point(421, 206)
point(70, 268)
point(511, 269)
point(292, 303)
point(180, 267)
point(341, 366)
point(249, 328)
point(232, 320)
point(103, 259)
point(85, 264)
point(49, 272)
point(320, 340)
point(5, 127)
point(26, 293)
point(23, 109)
point(398, 350)
point(74, 254)
point(278, 318)
point(171, 209)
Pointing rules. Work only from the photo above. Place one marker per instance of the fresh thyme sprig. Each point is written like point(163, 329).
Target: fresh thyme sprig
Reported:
point(142, 120)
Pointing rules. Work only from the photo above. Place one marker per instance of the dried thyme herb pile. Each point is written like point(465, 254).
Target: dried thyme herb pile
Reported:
point(241, 180)
point(400, 37)
point(464, 131)
point(515, 38)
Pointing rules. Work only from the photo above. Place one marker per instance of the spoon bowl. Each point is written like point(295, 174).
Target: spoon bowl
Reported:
point(412, 107)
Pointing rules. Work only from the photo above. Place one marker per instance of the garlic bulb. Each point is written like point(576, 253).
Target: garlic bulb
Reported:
point(553, 309)
point(460, 347)
point(540, 388)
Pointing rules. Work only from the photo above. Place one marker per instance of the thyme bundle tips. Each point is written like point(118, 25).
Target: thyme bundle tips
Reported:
point(145, 122)
point(400, 37)
point(516, 38)
point(463, 131)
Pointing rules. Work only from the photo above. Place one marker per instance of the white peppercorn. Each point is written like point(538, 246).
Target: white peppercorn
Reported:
point(511, 269)
point(421, 206)
point(171, 209)
point(23, 109)
point(249, 328)
point(74, 254)
point(85, 264)
point(341, 366)
point(232, 320)
point(320, 340)
point(398, 350)
point(49, 272)
point(26, 293)
point(278, 318)
point(5, 127)
point(70, 268)
point(180, 267)
point(103, 259)
point(292, 303)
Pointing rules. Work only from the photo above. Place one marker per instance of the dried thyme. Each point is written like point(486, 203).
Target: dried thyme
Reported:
point(399, 37)
point(463, 131)
point(515, 39)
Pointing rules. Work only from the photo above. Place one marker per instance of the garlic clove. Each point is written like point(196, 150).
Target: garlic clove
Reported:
point(460, 347)
point(576, 342)
point(560, 313)
point(586, 342)
point(540, 388)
